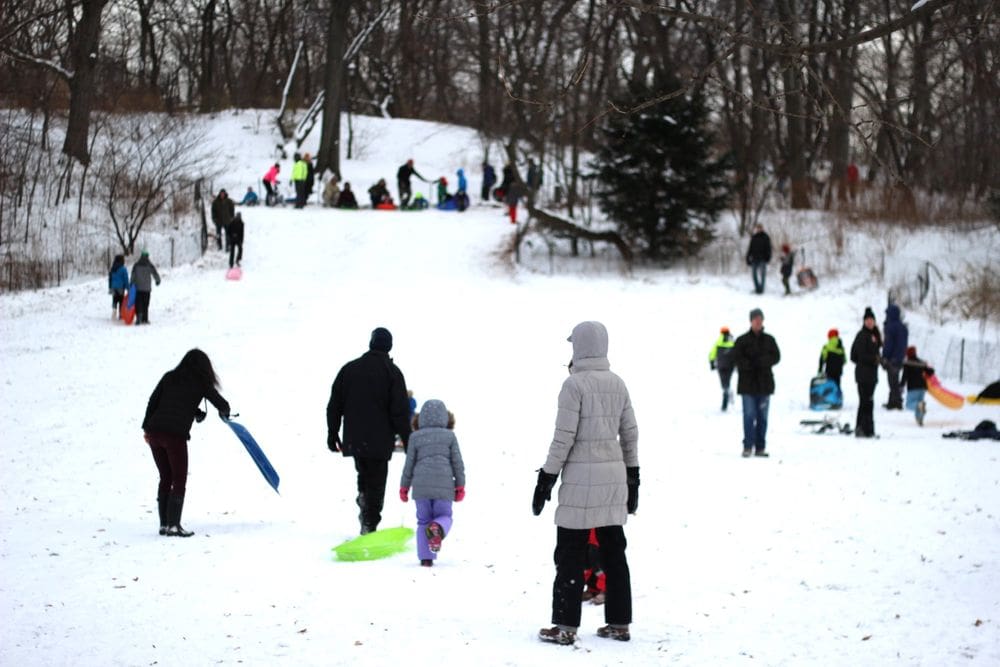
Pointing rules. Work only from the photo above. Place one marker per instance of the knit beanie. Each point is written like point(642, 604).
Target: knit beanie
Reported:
point(868, 313)
point(756, 312)
point(381, 340)
point(832, 333)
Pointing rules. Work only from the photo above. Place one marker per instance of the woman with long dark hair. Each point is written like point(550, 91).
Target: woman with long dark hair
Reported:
point(172, 408)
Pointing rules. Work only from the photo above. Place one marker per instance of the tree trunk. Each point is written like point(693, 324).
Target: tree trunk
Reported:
point(792, 77)
point(486, 85)
point(333, 79)
point(206, 82)
point(842, 89)
point(85, 41)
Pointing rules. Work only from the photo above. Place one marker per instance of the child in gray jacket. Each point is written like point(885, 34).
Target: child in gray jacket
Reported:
point(435, 471)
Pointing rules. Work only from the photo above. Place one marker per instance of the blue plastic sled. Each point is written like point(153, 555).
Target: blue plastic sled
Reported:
point(256, 454)
point(131, 297)
point(824, 394)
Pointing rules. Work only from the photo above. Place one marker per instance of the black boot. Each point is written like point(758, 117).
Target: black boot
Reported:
point(175, 506)
point(161, 505)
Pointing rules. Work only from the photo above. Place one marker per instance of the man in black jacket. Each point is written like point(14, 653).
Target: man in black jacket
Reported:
point(403, 181)
point(758, 255)
point(754, 353)
point(369, 395)
point(222, 214)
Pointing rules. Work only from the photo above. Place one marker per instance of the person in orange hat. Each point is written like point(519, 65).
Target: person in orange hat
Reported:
point(832, 357)
point(720, 358)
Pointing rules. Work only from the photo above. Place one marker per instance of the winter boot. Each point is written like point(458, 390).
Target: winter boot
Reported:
point(920, 412)
point(725, 400)
point(618, 632)
point(161, 505)
point(435, 533)
point(426, 562)
point(557, 635)
point(175, 507)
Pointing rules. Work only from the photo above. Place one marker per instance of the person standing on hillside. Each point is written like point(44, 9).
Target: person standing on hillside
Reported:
point(489, 178)
point(369, 396)
point(300, 172)
point(893, 350)
point(310, 175)
point(170, 412)
point(758, 255)
point(865, 353)
point(234, 234)
point(143, 275)
point(403, 182)
point(720, 358)
point(596, 448)
point(271, 185)
point(222, 214)
point(787, 262)
point(754, 354)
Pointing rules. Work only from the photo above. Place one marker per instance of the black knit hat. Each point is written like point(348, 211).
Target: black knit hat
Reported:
point(868, 313)
point(381, 340)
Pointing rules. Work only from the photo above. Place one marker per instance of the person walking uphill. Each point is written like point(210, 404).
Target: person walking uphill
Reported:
point(435, 471)
point(222, 214)
point(403, 181)
point(234, 236)
point(758, 255)
point(143, 275)
point(865, 353)
point(170, 412)
point(895, 342)
point(117, 284)
point(754, 354)
point(596, 448)
point(369, 397)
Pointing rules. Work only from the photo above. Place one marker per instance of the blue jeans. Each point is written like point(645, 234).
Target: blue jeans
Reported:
point(758, 269)
point(913, 397)
point(755, 421)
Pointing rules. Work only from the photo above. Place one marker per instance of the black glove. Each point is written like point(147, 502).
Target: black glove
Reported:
point(199, 415)
point(543, 491)
point(711, 365)
point(632, 479)
point(333, 442)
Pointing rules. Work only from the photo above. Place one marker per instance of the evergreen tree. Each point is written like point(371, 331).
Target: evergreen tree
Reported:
point(657, 178)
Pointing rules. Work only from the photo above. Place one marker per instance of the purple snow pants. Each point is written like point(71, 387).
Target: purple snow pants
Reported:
point(431, 510)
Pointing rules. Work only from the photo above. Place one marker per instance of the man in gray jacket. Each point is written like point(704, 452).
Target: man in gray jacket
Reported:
point(596, 448)
point(143, 275)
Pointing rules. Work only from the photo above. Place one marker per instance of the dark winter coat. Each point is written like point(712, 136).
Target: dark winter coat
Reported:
point(787, 262)
point(234, 232)
point(143, 274)
point(346, 199)
point(896, 336)
point(508, 177)
point(369, 396)
point(489, 176)
point(534, 176)
point(378, 194)
point(434, 466)
point(174, 402)
point(118, 276)
point(310, 177)
point(405, 172)
point(865, 355)
point(759, 249)
point(832, 358)
point(223, 211)
point(753, 355)
point(913, 373)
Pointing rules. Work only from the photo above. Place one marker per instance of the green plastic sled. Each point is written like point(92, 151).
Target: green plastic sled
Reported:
point(380, 544)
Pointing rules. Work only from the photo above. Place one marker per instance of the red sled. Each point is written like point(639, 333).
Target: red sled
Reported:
point(127, 308)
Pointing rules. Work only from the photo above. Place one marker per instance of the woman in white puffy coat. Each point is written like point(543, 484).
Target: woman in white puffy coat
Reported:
point(595, 448)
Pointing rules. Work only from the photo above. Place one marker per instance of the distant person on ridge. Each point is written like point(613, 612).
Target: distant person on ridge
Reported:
point(300, 172)
point(758, 255)
point(489, 178)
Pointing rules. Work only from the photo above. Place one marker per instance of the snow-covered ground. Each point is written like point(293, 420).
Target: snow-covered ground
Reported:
point(832, 552)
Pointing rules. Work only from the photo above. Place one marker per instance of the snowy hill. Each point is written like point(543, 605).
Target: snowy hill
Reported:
point(833, 551)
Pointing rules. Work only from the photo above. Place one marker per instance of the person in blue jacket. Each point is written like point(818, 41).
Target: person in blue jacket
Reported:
point(117, 284)
point(894, 342)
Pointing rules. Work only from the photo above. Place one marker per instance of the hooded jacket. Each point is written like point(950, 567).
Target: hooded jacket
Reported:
point(895, 336)
point(434, 466)
point(118, 276)
point(144, 273)
point(722, 352)
point(596, 436)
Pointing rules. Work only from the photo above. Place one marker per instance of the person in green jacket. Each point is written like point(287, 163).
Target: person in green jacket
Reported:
point(300, 172)
point(832, 357)
point(720, 359)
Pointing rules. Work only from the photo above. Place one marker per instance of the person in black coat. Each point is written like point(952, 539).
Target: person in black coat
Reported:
point(866, 355)
point(754, 353)
point(234, 236)
point(172, 409)
point(346, 198)
point(369, 396)
point(223, 210)
point(403, 182)
point(758, 255)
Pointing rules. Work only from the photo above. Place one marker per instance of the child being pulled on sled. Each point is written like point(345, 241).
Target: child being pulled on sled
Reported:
point(436, 473)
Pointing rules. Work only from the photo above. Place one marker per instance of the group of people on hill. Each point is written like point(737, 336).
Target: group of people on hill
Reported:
point(755, 353)
point(759, 255)
point(144, 274)
point(229, 224)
